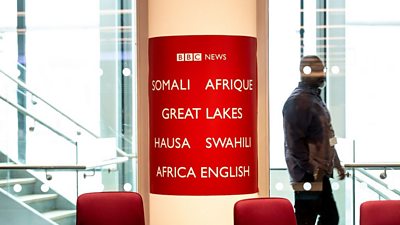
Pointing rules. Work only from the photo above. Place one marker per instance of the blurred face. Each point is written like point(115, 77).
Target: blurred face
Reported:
point(313, 72)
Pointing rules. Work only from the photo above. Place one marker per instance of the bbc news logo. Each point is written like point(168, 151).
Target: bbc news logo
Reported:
point(188, 57)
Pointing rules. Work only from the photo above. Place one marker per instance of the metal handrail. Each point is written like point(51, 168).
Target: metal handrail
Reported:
point(395, 166)
point(22, 110)
point(377, 180)
point(363, 167)
point(112, 161)
point(41, 167)
point(124, 154)
point(371, 187)
point(116, 160)
point(23, 85)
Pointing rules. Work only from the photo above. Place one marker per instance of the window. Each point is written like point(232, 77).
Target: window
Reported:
point(358, 40)
point(76, 59)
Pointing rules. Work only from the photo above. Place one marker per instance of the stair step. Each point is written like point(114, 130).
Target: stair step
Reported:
point(37, 197)
point(13, 181)
point(59, 214)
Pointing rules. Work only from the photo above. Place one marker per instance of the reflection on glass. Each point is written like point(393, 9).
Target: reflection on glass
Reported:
point(126, 72)
point(307, 186)
point(279, 186)
point(335, 186)
point(17, 188)
point(44, 188)
point(128, 187)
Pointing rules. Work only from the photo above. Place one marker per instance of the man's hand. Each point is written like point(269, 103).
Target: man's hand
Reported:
point(341, 172)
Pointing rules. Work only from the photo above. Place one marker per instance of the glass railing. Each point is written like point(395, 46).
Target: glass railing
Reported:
point(365, 181)
point(52, 147)
point(28, 194)
point(371, 181)
point(63, 117)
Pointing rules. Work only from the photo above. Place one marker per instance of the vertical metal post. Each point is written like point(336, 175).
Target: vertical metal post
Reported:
point(322, 23)
point(321, 42)
point(76, 172)
point(354, 183)
point(125, 111)
point(21, 92)
point(301, 28)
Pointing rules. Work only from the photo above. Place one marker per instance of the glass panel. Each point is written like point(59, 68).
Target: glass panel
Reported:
point(372, 36)
point(66, 100)
point(283, 69)
point(358, 42)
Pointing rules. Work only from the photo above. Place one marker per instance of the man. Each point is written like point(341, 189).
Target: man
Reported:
point(310, 147)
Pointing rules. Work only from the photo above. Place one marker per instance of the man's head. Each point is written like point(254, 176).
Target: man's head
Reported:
point(312, 71)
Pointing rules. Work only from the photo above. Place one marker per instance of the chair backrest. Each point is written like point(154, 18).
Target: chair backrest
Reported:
point(264, 211)
point(106, 208)
point(380, 212)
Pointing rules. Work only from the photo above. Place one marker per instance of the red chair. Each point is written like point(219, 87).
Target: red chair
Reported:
point(107, 208)
point(264, 211)
point(380, 212)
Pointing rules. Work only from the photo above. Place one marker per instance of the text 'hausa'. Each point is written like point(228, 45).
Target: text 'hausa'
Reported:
point(210, 142)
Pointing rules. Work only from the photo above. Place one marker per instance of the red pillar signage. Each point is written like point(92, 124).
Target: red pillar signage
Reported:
point(203, 115)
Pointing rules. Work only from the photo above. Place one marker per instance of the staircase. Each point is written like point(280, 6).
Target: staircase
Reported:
point(31, 205)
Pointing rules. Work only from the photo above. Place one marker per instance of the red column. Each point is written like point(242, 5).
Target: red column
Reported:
point(203, 109)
